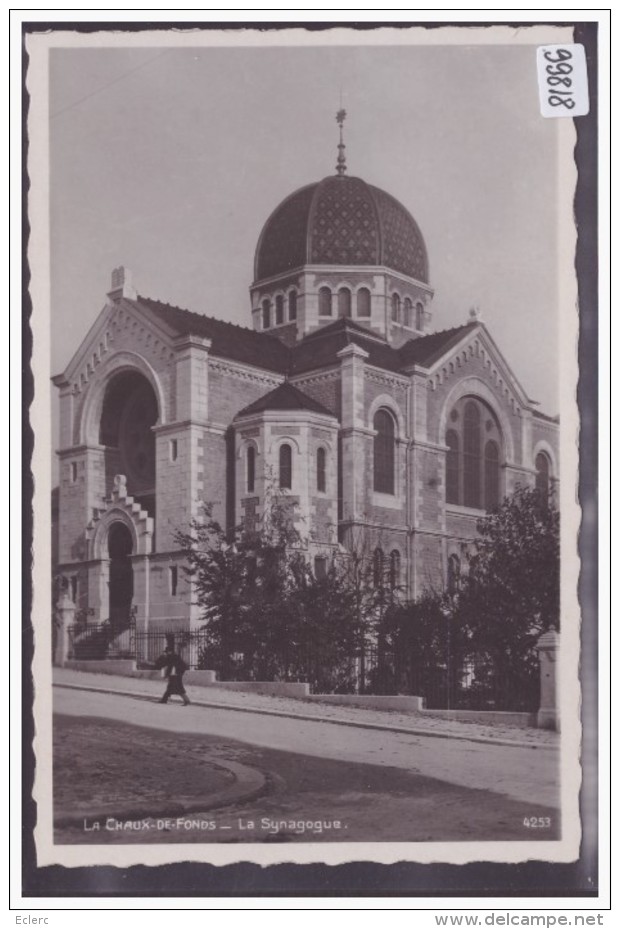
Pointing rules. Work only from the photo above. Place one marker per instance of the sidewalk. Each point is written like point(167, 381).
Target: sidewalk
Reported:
point(389, 720)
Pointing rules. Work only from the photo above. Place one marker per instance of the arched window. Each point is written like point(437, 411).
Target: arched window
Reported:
point(452, 467)
point(320, 567)
point(384, 445)
point(344, 302)
point(419, 316)
point(292, 304)
point(279, 310)
point(473, 456)
point(286, 467)
point(251, 468)
point(543, 474)
point(407, 312)
point(266, 314)
point(325, 301)
point(491, 474)
point(394, 569)
point(454, 574)
point(363, 302)
point(395, 308)
point(377, 567)
point(320, 470)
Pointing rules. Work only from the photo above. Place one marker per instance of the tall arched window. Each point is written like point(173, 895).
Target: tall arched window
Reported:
point(363, 302)
point(292, 304)
point(384, 448)
point(325, 301)
point(394, 569)
point(419, 316)
point(491, 474)
point(473, 456)
point(543, 473)
point(279, 310)
point(395, 308)
point(286, 467)
point(344, 302)
point(251, 468)
point(320, 470)
point(377, 567)
point(266, 314)
point(452, 467)
point(407, 312)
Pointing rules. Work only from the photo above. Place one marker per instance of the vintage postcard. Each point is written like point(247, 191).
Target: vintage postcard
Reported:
point(305, 321)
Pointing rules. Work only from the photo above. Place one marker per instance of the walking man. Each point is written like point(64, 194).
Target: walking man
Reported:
point(175, 668)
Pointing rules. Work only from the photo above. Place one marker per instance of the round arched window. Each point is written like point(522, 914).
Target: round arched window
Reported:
point(325, 301)
point(473, 456)
point(363, 302)
point(286, 467)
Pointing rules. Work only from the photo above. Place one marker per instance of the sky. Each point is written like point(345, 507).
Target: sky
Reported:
point(169, 161)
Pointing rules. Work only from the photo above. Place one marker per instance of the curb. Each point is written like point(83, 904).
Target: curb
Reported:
point(249, 784)
point(321, 719)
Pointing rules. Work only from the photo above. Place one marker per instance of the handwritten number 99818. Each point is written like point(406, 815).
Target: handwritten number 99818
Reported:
point(558, 72)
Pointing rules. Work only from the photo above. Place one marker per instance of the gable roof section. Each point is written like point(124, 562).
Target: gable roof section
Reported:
point(236, 343)
point(285, 397)
point(428, 349)
point(320, 348)
point(317, 350)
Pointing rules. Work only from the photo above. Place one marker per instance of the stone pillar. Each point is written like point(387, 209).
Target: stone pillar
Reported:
point(64, 616)
point(353, 432)
point(547, 647)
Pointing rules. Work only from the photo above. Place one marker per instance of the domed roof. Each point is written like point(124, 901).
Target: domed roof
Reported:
point(341, 220)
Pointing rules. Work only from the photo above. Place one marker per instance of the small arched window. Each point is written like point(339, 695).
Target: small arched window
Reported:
point(344, 302)
point(419, 316)
point(471, 455)
point(452, 467)
point(395, 308)
point(320, 470)
point(407, 312)
point(363, 302)
point(279, 310)
point(292, 304)
point(266, 314)
point(543, 474)
point(377, 567)
point(286, 467)
point(325, 301)
point(491, 474)
point(251, 468)
point(394, 569)
point(384, 452)
point(454, 574)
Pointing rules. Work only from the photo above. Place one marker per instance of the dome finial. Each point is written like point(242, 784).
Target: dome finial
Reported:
point(341, 166)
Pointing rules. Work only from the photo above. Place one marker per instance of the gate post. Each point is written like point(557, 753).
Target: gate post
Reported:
point(64, 617)
point(547, 646)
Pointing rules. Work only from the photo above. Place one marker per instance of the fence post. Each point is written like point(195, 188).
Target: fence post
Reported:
point(547, 646)
point(64, 616)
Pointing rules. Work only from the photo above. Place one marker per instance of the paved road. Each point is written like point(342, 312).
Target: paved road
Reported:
point(526, 774)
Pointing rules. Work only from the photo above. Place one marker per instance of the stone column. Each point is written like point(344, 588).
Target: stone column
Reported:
point(64, 616)
point(547, 647)
point(353, 432)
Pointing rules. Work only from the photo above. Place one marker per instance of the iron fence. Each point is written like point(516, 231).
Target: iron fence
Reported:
point(191, 645)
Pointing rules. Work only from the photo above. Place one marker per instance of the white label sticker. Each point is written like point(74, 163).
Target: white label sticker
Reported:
point(562, 80)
